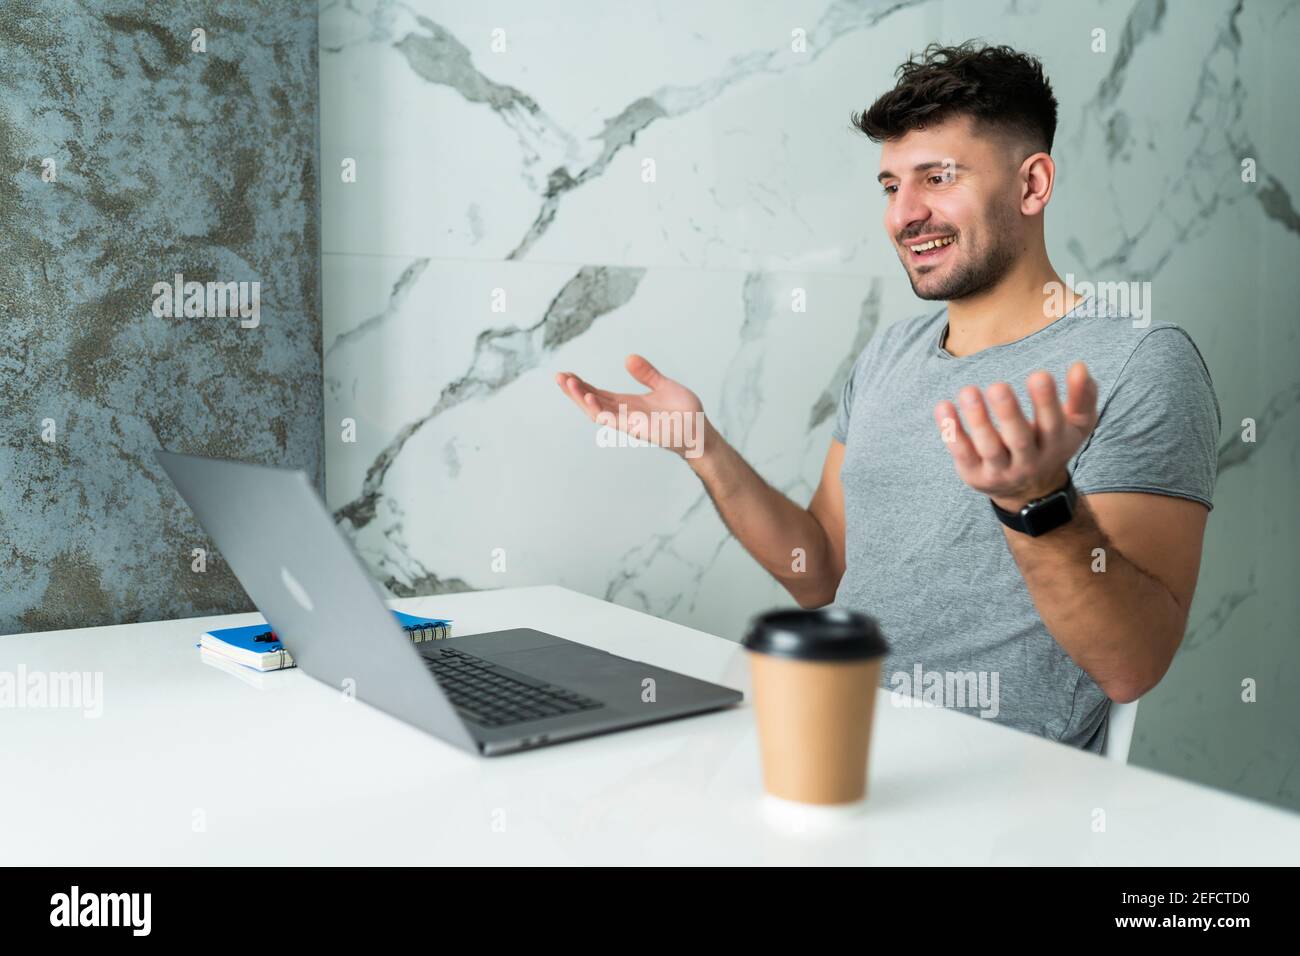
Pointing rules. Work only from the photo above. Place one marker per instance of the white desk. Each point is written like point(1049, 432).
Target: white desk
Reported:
point(293, 773)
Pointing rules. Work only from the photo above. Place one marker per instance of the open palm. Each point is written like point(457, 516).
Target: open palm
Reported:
point(666, 396)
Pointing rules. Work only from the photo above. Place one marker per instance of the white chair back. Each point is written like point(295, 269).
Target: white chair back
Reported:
point(1119, 735)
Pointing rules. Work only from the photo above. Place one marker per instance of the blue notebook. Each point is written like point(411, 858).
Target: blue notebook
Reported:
point(256, 646)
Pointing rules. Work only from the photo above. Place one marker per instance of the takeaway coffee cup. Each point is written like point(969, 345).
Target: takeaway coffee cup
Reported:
point(815, 675)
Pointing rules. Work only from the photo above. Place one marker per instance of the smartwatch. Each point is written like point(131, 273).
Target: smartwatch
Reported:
point(1042, 514)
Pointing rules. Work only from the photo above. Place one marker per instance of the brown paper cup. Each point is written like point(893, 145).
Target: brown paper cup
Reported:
point(815, 675)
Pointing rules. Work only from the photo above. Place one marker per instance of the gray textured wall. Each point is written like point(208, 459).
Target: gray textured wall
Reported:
point(165, 160)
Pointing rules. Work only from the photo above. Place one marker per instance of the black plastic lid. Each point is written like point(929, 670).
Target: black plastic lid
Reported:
point(823, 634)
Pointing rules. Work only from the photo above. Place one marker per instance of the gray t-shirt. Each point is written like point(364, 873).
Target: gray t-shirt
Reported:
point(925, 554)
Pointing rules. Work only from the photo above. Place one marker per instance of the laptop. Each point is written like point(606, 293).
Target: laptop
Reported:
point(490, 694)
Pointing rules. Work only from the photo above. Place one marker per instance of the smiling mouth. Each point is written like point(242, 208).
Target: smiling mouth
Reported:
point(932, 248)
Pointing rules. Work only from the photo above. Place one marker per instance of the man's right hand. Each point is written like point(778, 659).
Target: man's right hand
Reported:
point(665, 397)
point(771, 527)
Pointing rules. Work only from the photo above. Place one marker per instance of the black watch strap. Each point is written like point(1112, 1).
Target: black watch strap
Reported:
point(1042, 514)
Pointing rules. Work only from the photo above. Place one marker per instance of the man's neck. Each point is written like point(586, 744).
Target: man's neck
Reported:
point(1013, 309)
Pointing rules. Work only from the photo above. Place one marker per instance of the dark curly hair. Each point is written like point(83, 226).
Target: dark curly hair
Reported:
point(998, 86)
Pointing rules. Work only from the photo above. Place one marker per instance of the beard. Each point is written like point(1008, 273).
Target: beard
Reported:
point(979, 271)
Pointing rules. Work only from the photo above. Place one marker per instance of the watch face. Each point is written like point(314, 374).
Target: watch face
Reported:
point(1052, 512)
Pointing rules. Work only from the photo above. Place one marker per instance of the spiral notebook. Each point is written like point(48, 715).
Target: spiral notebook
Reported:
point(256, 646)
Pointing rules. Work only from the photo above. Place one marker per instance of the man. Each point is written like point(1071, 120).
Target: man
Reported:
point(1017, 485)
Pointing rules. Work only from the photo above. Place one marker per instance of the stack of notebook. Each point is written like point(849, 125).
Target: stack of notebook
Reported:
point(256, 645)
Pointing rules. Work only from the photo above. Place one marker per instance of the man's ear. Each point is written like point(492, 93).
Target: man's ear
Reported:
point(1037, 176)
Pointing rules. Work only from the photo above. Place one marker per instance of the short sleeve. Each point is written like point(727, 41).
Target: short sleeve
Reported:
point(840, 431)
point(1158, 431)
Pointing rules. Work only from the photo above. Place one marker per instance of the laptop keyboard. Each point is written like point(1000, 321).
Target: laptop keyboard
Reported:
point(488, 695)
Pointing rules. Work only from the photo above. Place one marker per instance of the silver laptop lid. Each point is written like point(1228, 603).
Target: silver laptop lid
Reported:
point(301, 573)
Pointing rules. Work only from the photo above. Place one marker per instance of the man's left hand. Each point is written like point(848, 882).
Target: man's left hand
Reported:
point(1017, 461)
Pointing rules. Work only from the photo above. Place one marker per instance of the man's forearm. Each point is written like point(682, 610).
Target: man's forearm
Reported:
point(1119, 624)
point(781, 536)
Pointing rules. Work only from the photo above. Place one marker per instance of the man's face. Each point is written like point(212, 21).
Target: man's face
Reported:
point(952, 208)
